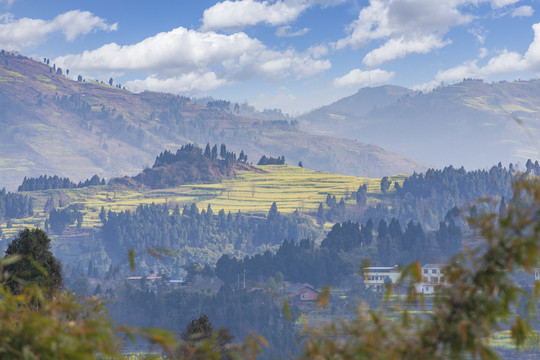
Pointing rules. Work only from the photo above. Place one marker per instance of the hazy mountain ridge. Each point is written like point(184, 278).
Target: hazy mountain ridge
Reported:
point(472, 123)
point(50, 124)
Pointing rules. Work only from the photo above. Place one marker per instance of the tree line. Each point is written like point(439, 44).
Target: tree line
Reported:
point(330, 264)
point(14, 206)
point(44, 182)
point(280, 160)
point(193, 235)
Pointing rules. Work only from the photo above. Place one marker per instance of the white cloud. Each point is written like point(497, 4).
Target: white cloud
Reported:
point(169, 56)
point(177, 50)
point(234, 15)
point(483, 53)
point(76, 22)
point(401, 47)
point(359, 78)
point(318, 51)
point(502, 3)
point(523, 11)
point(19, 34)
point(285, 31)
point(384, 19)
point(412, 26)
point(506, 62)
point(479, 33)
point(176, 84)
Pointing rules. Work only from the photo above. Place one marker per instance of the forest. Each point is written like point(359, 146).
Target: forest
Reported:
point(212, 253)
point(196, 236)
point(14, 205)
point(188, 165)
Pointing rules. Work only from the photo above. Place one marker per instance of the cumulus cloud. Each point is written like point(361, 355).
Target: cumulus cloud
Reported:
point(523, 11)
point(390, 19)
point(411, 26)
point(177, 50)
point(182, 83)
point(234, 15)
point(401, 47)
point(23, 33)
point(285, 31)
point(180, 55)
point(359, 78)
point(506, 62)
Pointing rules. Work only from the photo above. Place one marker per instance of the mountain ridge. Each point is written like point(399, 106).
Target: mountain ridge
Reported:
point(52, 125)
point(472, 123)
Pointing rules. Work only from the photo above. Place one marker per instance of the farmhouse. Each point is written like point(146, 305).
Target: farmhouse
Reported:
point(301, 293)
point(377, 277)
point(432, 278)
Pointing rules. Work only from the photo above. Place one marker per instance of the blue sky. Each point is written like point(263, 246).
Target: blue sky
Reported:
point(290, 54)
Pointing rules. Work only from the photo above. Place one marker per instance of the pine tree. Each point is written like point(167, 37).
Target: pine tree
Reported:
point(34, 246)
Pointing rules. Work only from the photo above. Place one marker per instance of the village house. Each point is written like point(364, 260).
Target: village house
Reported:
point(376, 277)
point(301, 293)
point(432, 278)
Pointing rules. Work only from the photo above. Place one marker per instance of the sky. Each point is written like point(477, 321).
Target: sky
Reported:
point(295, 55)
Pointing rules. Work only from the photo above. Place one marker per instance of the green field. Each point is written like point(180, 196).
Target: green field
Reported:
point(292, 188)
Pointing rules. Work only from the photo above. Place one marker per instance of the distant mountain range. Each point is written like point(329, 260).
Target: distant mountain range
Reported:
point(474, 124)
point(52, 125)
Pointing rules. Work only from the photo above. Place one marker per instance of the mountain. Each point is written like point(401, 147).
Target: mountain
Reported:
point(50, 124)
point(473, 123)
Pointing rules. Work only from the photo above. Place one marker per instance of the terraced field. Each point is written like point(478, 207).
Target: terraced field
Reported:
point(291, 188)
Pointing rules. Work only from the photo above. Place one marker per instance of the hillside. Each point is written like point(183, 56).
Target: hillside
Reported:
point(472, 123)
point(292, 188)
point(50, 124)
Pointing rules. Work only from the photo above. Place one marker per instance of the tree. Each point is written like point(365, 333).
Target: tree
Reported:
point(110, 81)
point(321, 218)
point(385, 184)
point(202, 342)
point(300, 164)
point(62, 328)
point(37, 266)
point(361, 195)
point(198, 329)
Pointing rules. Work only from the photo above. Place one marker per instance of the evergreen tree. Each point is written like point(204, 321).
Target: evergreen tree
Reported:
point(37, 266)
point(385, 184)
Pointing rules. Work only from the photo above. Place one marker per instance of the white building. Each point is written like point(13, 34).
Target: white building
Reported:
point(537, 274)
point(432, 278)
point(375, 277)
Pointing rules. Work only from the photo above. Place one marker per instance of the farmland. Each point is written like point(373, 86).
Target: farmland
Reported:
point(292, 188)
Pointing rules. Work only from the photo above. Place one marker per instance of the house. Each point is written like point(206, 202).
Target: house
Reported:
point(377, 277)
point(432, 278)
point(146, 282)
point(301, 293)
point(537, 274)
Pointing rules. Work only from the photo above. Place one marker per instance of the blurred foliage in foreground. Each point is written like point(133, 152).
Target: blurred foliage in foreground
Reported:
point(482, 298)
